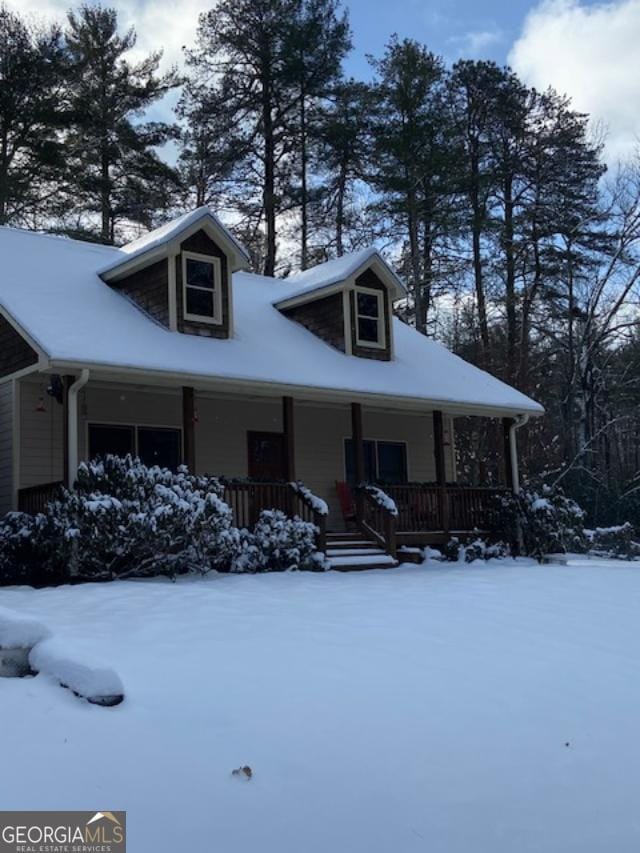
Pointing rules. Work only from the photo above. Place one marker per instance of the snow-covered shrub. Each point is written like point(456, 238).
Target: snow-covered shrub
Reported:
point(122, 519)
point(278, 543)
point(127, 519)
point(455, 552)
point(546, 521)
point(620, 542)
point(33, 550)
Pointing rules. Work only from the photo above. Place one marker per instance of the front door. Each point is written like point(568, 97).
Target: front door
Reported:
point(266, 456)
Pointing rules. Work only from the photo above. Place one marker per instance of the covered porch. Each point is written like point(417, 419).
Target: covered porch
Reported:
point(260, 443)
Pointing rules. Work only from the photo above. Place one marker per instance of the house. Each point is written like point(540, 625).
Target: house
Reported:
point(168, 349)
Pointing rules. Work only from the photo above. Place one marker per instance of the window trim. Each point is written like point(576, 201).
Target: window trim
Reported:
point(134, 425)
point(381, 343)
point(217, 318)
point(376, 442)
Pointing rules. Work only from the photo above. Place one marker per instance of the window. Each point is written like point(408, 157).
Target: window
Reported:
point(370, 331)
point(201, 287)
point(104, 438)
point(384, 461)
point(154, 445)
point(158, 446)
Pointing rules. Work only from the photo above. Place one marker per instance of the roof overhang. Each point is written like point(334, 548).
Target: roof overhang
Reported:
point(263, 388)
point(129, 263)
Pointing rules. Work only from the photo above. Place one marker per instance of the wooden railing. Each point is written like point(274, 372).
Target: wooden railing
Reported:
point(34, 499)
point(307, 507)
point(429, 507)
point(376, 519)
point(248, 499)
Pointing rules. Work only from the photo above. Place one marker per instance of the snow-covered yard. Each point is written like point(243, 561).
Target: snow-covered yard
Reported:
point(432, 708)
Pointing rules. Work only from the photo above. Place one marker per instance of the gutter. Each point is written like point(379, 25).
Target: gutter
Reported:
point(518, 421)
point(72, 438)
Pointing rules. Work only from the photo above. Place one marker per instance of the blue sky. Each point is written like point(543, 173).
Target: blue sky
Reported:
point(587, 49)
point(452, 28)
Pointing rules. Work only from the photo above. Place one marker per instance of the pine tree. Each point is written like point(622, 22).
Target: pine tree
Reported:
point(32, 100)
point(242, 58)
point(413, 161)
point(318, 41)
point(345, 141)
point(115, 170)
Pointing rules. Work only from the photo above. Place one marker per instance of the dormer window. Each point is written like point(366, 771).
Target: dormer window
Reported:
point(201, 288)
point(370, 331)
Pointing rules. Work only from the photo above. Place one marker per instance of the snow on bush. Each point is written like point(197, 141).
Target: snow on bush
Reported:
point(620, 542)
point(122, 519)
point(454, 551)
point(278, 543)
point(546, 521)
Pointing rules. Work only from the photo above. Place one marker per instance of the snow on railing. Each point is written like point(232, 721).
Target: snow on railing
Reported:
point(313, 501)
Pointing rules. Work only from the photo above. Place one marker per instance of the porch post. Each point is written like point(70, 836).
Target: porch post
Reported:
point(188, 428)
point(289, 439)
point(441, 471)
point(508, 459)
point(358, 441)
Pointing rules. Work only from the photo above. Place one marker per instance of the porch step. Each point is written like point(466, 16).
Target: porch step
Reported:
point(365, 551)
point(357, 562)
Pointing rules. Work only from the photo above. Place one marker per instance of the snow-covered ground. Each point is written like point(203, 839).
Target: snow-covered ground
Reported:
point(432, 708)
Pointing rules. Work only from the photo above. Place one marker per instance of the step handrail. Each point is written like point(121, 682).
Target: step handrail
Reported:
point(378, 517)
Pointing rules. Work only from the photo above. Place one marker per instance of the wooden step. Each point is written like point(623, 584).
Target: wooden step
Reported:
point(355, 563)
point(366, 551)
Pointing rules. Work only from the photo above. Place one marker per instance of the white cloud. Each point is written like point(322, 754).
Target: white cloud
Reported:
point(476, 42)
point(161, 25)
point(590, 53)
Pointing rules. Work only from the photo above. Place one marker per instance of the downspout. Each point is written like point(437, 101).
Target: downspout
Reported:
point(72, 455)
point(518, 422)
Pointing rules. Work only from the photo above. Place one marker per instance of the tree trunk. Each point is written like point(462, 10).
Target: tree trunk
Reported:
point(269, 195)
point(477, 224)
point(304, 201)
point(510, 278)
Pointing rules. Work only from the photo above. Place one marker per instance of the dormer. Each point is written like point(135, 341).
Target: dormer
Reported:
point(348, 302)
point(180, 274)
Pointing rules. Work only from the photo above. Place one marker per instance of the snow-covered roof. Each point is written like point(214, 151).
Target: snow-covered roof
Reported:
point(325, 275)
point(51, 288)
point(165, 234)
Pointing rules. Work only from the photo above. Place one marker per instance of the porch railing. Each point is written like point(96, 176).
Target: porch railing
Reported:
point(376, 517)
point(429, 507)
point(34, 499)
point(248, 499)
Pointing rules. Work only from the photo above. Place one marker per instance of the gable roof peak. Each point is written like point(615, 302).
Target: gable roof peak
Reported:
point(338, 270)
point(156, 244)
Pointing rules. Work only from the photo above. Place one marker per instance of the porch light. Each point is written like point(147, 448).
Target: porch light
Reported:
point(40, 406)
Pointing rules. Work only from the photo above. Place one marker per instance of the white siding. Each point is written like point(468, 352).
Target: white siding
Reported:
point(221, 433)
point(41, 455)
point(6, 447)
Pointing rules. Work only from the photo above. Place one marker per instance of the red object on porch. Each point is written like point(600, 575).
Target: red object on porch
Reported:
point(347, 504)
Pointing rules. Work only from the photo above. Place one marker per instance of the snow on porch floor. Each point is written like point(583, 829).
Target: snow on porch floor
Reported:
point(432, 708)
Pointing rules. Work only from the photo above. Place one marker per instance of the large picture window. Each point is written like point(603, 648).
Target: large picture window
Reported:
point(201, 288)
point(370, 331)
point(384, 461)
point(154, 445)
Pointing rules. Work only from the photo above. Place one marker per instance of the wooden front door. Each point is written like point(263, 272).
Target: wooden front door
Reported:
point(266, 456)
